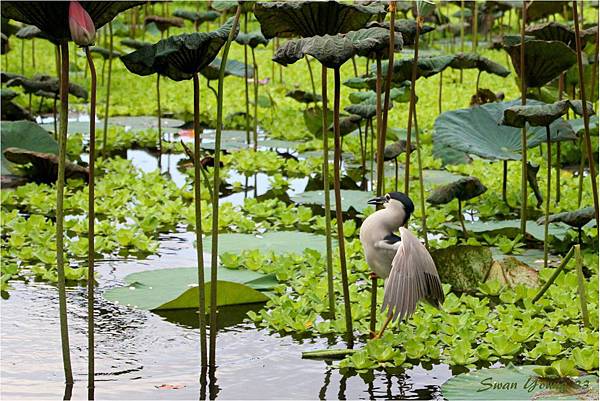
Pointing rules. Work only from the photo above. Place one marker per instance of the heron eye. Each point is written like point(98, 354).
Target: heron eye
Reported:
point(387, 197)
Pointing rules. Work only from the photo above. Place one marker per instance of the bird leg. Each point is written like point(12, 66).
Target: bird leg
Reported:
point(375, 336)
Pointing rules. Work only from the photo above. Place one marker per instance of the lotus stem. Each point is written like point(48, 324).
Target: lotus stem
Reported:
point(246, 89)
point(373, 311)
point(504, 181)
point(440, 94)
point(22, 56)
point(396, 176)
point(386, 102)
point(33, 53)
point(548, 189)
point(379, 116)
point(329, 245)
point(557, 271)
point(91, 221)
point(354, 66)
point(362, 154)
point(477, 82)
point(371, 156)
point(462, 33)
point(586, 117)
point(581, 286)
point(312, 79)
point(198, 212)
point(524, 129)
point(461, 219)
point(214, 260)
point(159, 121)
point(255, 81)
point(338, 206)
point(474, 23)
point(411, 108)
point(107, 104)
point(421, 183)
point(60, 218)
point(561, 88)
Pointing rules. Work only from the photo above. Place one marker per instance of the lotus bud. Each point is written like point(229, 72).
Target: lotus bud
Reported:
point(83, 31)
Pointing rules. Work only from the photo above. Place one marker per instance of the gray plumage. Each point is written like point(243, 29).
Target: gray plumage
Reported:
point(402, 261)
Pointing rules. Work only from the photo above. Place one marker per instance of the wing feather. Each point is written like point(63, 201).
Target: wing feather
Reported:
point(413, 277)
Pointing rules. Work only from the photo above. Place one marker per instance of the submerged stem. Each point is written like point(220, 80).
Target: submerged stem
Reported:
point(60, 218)
point(215, 204)
point(91, 221)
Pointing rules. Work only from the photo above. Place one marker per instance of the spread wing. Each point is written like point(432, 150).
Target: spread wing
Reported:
point(413, 277)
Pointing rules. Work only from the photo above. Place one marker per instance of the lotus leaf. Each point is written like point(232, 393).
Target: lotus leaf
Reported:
point(105, 53)
point(351, 199)
point(7, 95)
point(366, 110)
point(30, 32)
point(553, 31)
point(394, 150)
point(577, 125)
point(252, 39)
point(47, 84)
point(577, 219)
point(187, 15)
point(229, 6)
point(177, 288)
point(544, 60)
point(515, 383)
point(541, 115)
point(313, 119)
point(25, 135)
point(426, 67)
point(163, 23)
point(408, 28)
point(313, 18)
point(274, 241)
point(472, 60)
point(511, 228)
point(303, 96)
point(53, 17)
point(233, 67)
point(333, 51)
point(178, 57)
point(135, 44)
point(463, 189)
point(540, 9)
point(476, 130)
point(44, 165)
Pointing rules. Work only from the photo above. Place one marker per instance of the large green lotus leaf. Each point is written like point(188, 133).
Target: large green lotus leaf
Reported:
point(553, 31)
point(179, 57)
point(313, 119)
point(52, 17)
point(313, 18)
point(472, 60)
point(351, 199)
point(177, 288)
point(233, 67)
point(577, 125)
point(252, 39)
point(426, 67)
point(541, 115)
point(334, 50)
point(515, 383)
point(448, 155)
point(273, 241)
point(544, 60)
point(476, 130)
point(25, 135)
point(511, 228)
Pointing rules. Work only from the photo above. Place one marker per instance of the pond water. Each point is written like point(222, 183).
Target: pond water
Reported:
point(143, 355)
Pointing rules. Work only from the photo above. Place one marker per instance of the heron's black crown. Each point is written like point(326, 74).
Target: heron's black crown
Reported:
point(409, 206)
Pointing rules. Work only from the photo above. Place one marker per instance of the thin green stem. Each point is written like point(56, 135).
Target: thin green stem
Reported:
point(581, 286)
point(338, 206)
point(524, 129)
point(329, 245)
point(91, 221)
point(312, 79)
point(107, 103)
point(214, 260)
point(198, 219)
point(160, 151)
point(411, 109)
point(246, 89)
point(60, 217)
point(548, 189)
point(255, 82)
point(557, 271)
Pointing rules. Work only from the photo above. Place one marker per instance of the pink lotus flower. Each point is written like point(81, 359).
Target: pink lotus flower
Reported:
point(83, 31)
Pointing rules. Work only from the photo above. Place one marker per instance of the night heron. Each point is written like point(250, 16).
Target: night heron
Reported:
point(402, 261)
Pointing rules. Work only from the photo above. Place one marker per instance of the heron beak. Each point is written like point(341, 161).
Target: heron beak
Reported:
point(380, 200)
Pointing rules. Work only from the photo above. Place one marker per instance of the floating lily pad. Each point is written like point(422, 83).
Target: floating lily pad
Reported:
point(351, 199)
point(25, 135)
point(275, 241)
point(510, 228)
point(177, 288)
point(75, 127)
point(515, 383)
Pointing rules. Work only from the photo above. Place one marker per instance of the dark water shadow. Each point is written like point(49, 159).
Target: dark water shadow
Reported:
point(227, 316)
